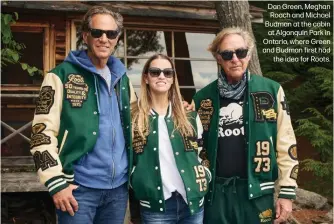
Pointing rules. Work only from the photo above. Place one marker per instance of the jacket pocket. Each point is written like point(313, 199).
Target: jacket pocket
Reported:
point(63, 142)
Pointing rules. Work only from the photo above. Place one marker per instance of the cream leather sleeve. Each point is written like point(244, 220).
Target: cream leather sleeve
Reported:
point(45, 129)
point(286, 149)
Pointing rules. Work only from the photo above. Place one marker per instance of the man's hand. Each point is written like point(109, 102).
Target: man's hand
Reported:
point(188, 107)
point(65, 201)
point(283, 210)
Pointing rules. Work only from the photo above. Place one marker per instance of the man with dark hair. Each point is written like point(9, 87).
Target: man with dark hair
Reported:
point(249, 142)
point(82, 127)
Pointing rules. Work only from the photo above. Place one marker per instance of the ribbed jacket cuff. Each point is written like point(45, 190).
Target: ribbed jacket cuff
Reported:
point(287, 192)
point(56, 184)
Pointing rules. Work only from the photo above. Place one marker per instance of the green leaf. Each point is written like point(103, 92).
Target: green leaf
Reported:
point(7, 19)
point(15, 56)
point(24, 66)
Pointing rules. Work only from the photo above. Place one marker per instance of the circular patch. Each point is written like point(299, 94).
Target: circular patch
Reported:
point(293, 152)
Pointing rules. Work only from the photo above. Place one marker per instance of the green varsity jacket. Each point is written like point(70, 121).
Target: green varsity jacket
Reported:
point(270, 140)
point(146, 177)
point(66, 122)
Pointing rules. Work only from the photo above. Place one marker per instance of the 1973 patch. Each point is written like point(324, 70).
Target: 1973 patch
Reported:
point(45, 100)
point(76, 90)
point(37, 137)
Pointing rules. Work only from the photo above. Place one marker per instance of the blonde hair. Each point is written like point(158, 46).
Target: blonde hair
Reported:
point(214, 46)
point(140, 110)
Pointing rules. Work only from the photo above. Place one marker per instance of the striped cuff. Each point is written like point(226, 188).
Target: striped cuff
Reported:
point(287, 192)
point(56, 184)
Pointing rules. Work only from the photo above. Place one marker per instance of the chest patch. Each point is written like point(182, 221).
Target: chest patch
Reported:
point(205, 113)
point(45, 100)
point(138, 143)
point(76, 90)
point(263, 104)
point(190, 144)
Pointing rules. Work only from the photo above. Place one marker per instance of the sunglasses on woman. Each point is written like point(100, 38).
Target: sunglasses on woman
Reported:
point(228, 55)
point(97, 33)
point(155, 72)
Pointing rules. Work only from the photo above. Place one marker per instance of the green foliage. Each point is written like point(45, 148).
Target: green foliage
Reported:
point(308, 86)
point(11, 50)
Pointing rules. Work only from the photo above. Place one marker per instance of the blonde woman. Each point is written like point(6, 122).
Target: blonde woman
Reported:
point(168, 178)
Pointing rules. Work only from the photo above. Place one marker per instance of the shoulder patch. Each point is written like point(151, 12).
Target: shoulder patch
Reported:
point(294, 172)
point(76, 90)
point(205, 112)
point(285, 106)
point(37, 137)
point(45, 100)
point(293, 152)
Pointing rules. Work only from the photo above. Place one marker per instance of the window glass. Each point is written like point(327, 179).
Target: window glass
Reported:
point(204, 72)
point(147, 43)
point(193, 45)
point(134, 70)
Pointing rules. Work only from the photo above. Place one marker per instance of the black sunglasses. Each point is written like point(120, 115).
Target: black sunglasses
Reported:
point(155, 72)
point(228, 55)
point(97, 33)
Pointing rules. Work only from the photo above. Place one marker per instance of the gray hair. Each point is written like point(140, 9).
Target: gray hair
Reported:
point(87, 21)
point(214, 46)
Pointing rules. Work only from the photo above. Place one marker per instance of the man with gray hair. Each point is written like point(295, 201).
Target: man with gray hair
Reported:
point(82, 127)
point(248, 142)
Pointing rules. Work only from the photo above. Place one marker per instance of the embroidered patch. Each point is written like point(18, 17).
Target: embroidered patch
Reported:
point(45, 100)
point(293, 152)
point(37, 137)
point(190, 144)
point(205, 113)
point(44, 160)
point(76, 90)
point(263, 103)
point(266, 216)
point(294, 172)
point(285, 106)
point(138, 143)
point(204, 156)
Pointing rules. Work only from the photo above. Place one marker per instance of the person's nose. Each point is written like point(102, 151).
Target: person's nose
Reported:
point(103, 38)
point(234, 58)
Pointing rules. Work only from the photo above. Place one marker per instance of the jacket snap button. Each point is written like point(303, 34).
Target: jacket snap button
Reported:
point(160, 201)
point(161, 209)
point(94, 133)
